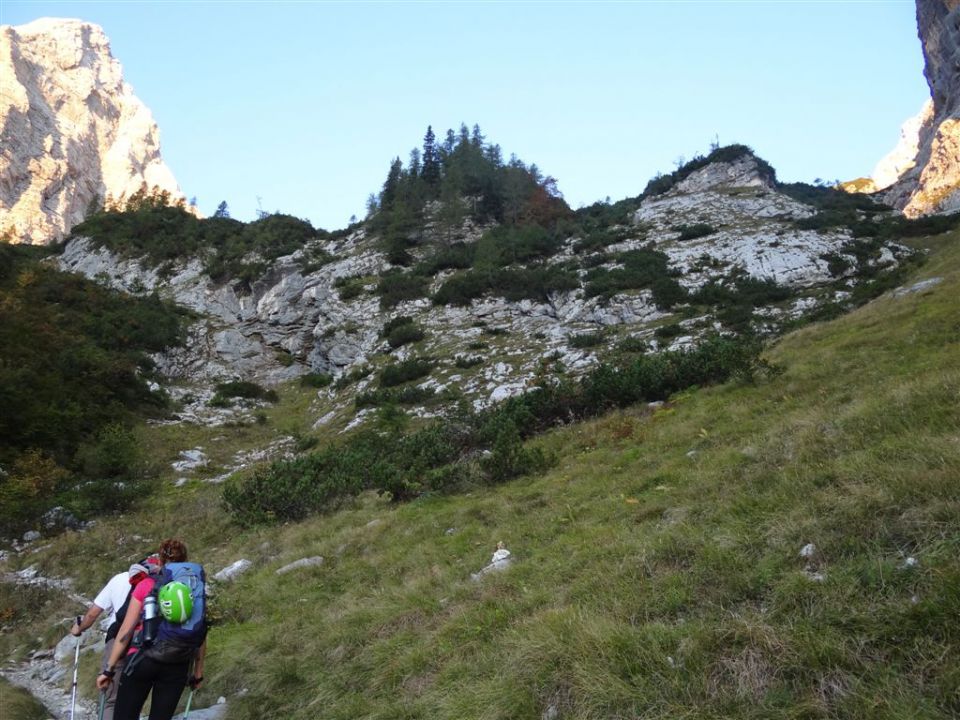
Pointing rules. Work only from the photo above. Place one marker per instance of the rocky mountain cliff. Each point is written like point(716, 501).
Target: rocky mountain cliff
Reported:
point(932, 183)
point(72, 133)
point(726, 225)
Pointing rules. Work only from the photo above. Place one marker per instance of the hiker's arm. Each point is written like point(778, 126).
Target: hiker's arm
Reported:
point(198, 664)
point(124, 637)
point(93, 612)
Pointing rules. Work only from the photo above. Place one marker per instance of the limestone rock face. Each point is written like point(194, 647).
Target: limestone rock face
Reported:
point(71, 130)
point(742, 172)
point(932, 185)
point(904, 156)
point(292, 321)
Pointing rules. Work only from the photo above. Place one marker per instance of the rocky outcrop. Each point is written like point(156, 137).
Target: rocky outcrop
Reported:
point(932, 185)
point(72, 133)
point(903, 157)
point(290, 322)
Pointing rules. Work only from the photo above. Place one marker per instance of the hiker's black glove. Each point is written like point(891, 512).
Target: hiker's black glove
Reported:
point(194, 681)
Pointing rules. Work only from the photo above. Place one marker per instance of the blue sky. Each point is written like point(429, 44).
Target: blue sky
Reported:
point(303, 104)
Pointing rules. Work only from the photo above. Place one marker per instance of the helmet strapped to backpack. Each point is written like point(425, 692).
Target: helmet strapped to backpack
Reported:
point(176, 605)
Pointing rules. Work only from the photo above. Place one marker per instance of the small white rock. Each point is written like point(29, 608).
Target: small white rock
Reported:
point(808, 550)
point(231, 572)
point(302, 563)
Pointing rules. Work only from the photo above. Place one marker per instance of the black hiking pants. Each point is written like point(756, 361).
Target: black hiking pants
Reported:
point(165, 680)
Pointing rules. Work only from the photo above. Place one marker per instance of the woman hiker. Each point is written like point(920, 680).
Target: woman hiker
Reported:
point(148, 671)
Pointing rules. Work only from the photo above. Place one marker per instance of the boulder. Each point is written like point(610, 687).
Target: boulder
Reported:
point(233, 571)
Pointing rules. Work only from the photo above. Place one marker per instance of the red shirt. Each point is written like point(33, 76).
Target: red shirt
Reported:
point(140, 592)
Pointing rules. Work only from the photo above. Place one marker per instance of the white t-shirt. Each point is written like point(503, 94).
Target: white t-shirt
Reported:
point(113, 596)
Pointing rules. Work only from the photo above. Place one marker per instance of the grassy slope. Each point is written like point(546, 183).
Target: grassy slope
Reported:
point(17, 704)
point(657, 572)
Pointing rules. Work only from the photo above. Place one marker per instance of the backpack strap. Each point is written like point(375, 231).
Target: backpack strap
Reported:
point(114, 628)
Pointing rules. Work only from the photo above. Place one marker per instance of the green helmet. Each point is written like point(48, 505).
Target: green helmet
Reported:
point(176, 605)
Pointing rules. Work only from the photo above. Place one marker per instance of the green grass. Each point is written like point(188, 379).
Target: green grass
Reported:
point(657, 570)
point(18, 704)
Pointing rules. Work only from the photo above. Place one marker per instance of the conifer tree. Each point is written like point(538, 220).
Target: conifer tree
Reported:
point(415, 166)
point(477, 139)
point(449, 143)
point(389, 194)
point(431, 159)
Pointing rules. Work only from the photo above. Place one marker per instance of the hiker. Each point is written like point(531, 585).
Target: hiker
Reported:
point(113, 599)
point(161, 668)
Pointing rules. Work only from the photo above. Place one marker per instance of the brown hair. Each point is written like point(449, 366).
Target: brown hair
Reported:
point(173, 551)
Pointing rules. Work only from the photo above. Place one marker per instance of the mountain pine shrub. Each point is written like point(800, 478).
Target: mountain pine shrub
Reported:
point(443, 455)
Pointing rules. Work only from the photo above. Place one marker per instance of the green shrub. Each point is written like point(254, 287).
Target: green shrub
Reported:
point(316, 380)
point(495, 331)
point(399, 373)
point(458, 256)
point(643, 268)
point(395, 287)
point(243, 389)
point(349, 288)
point(442, 455)
point(315, 259)
point(464, 362)
point(508, 244)
point(410, 395)
point(837, 264)
point(400, 331)
point(692, 232)
point(394, 323)
point(535, 283)
point(463, 288)
point(633, 344)
point(74, 365)
point(666, 332)
point(736, 297)
point(586, 340)
point(404, 334)
point(149, 227)
point(357, 373)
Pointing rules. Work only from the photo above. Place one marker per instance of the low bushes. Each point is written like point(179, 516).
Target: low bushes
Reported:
point(398, 373)
point(74, 373)
point(586, 340)
point(534, 283)
point(410, 395)
point(467, 447)
point(736, 298)
point(227, 392)
point(400, 331)
point(643, 268)
point(348, 288)
point(316, 380)
point(464, 362)
point(692, 232)
point(150, 227)
point(396, 287)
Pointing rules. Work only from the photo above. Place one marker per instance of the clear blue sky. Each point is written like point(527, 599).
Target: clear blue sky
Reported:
point(303, 104)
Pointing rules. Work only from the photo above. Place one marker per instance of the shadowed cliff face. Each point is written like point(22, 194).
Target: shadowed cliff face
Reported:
point(933, 184)
point(71, 131)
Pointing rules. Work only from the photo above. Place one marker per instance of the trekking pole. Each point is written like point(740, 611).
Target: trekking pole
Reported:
point(76, 666)
point(186, 711)
point(103, 704)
